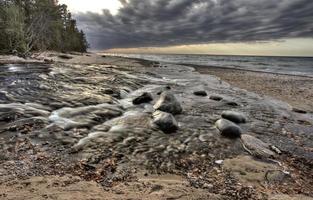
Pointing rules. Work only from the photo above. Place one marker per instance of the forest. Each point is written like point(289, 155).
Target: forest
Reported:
point(38, 25)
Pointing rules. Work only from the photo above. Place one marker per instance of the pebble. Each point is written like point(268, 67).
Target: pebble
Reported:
point(216, 98)
point(200, 93)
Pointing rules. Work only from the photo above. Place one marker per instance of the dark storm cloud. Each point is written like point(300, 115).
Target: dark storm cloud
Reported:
point(156, 23)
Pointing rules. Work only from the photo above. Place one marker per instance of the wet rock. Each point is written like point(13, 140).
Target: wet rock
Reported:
point(65, 57)
point(216, 98)
point(233, 116)
point(298, 110)
point(165, 121)
point(228, 128)
point(144, 98)
point(232, 103)
point(107, 91)
point(164, 89)
point(200, 93)
point(168, 103)
point(256, 147)
point(84, 117)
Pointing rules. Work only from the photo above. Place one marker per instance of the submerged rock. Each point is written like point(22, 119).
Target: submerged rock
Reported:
point(144, 98)
point(165, 121)
point(216, 98)
point(228, 128)
point(298, 110)
point(233, 116)
point(168, 103)
point(200, 93)
point(84, 117)
point(256, 147)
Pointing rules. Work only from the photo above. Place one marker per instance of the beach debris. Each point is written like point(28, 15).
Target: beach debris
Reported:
point(168, 103)
point(256, 147)
point(233, 116)
point(275, 149)
point(144, 98)
point(200, 93)
point(219, 162)
point(216, 98)
point(165, 121)
point(228, 128)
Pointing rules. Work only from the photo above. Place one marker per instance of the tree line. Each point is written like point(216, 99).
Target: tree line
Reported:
point(38, 25)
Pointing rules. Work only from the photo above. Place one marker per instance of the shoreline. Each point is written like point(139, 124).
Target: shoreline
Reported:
point(285, 87)
point(79, 116)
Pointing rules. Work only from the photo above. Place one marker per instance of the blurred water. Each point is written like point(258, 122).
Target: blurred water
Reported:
point(283, 65)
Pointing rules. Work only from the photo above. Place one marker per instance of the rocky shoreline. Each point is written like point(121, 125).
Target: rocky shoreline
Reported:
point(132, 129)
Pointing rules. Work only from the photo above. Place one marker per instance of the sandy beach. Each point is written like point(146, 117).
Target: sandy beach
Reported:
point(295, 90)
point(87, 126)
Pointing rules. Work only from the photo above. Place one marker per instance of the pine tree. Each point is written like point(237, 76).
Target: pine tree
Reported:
point(38, 25)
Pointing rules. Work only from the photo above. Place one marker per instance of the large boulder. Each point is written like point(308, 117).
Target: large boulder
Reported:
point(256, 147)
point(164, 121)
point(144, 98)
point(233, 116)
point(168, 103)
point(228, 128)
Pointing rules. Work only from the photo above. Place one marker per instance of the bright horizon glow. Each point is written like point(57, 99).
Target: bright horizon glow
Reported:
point(76, 6)
point(290, 47)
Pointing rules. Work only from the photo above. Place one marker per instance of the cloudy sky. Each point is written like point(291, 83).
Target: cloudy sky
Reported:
point(253, 27)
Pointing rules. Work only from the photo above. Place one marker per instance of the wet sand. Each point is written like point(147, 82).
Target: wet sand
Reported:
point(295, 90)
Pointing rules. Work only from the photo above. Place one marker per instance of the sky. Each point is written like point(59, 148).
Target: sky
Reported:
point(227, 27)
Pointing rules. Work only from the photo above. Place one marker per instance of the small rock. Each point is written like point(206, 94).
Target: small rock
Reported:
point(228, 128)
point(200, 93)
point(234, 116)
point(216, 98)
point(297, 110)
point(65, 57)
point(256, 147)
point(168, 103)
point(232, 103)
point(144, 98)
point(165, 121)
point(107, 91)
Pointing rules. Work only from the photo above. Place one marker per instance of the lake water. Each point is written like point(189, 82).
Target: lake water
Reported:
point(284, 65)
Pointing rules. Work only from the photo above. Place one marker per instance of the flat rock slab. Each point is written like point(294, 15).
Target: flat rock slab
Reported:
point(256, 147)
